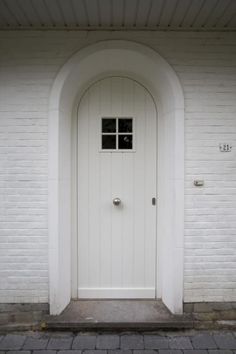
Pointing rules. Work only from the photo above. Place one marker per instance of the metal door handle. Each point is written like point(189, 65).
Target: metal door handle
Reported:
point(116, 201)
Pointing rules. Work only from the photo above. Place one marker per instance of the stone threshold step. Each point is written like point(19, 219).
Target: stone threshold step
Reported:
point(117, 315)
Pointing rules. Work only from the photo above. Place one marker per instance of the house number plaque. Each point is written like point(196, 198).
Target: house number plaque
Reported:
point(225, 147)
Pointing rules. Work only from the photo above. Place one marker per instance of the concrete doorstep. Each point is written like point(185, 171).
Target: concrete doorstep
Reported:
point(117, 315)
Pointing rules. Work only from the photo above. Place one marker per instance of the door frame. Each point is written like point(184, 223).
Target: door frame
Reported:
point(140, 63)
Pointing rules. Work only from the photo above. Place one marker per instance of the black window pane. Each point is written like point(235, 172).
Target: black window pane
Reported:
point(108, 125)
point(108, 142)
point(125, 125)
point(125, 142)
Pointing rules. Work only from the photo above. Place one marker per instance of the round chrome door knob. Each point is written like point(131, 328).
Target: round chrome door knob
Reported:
point(116, 201)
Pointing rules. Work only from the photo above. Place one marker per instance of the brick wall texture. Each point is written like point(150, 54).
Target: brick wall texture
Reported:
point(206, 66)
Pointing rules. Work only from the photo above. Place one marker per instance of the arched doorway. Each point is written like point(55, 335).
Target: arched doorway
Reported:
point(137, 62)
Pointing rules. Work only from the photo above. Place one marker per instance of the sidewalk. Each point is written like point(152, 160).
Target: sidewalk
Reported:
point(187, 342)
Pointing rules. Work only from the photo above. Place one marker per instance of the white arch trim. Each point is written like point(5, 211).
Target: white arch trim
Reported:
point(150, 69)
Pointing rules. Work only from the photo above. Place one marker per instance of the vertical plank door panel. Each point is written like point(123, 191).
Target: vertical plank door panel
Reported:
point(128, 193)
point(150, 191)
point(117, 211)
point(94, 186)
point(83, 190)
point(139, 183)
point(106, 193)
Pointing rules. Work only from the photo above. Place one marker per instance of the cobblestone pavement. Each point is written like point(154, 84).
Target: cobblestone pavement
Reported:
point(218, 342)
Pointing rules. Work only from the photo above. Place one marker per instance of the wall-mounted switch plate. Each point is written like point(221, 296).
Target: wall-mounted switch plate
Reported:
point(198, 183)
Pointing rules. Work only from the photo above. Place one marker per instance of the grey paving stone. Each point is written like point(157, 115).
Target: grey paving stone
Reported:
point(60, 343)
point(12, 341)
point(131, 341)
point(108, 341)
point(2, 352)
point(203, 341)
point(155, 342)
point(69, 352)
point(84, 341)
point(44, 351)
point(195, 351)
point(94, 352)
point(220, 351)
point(180, 343)
point(120, 351)
point(170, 351)
point(35, 343)
point(225, 341)
point(18, 352)
point(145, 351)
point(63, 334)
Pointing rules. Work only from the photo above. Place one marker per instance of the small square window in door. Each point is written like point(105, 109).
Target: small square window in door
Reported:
point(108, 142)
point(125, 142)
point(125, 125)
point(108, 125)
point(117, 134)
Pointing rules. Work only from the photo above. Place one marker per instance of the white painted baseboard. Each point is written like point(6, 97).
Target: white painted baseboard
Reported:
point(116, 293)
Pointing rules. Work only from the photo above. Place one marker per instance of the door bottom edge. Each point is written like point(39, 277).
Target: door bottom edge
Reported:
point(116, 293)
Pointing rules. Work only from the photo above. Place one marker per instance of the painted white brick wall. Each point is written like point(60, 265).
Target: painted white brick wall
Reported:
point(206, 66)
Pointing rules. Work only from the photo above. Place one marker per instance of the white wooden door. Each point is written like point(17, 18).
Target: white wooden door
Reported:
point(116, 159)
